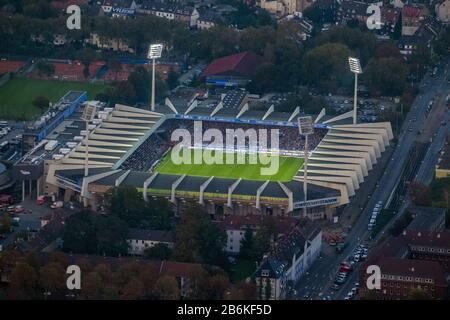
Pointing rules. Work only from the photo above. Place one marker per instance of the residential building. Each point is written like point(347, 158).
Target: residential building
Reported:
point(415, 259)
point(411, 20)
point(208, 19)
point(141, 239)
point(171, 11)
point(114, 44)
point(110, 7)
point(291, 257)
point(236, 226)
point(281, 8)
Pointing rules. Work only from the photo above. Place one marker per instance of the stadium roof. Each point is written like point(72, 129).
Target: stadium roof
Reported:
point(240, 64)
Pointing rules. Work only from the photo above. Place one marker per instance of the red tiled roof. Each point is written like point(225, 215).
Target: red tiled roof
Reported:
point(178, 269)
point(10, 66)
point(240, 64)
point(389, 15)
point(411, 12)
point(413, 268)
point(428, 238)
point(74, 70)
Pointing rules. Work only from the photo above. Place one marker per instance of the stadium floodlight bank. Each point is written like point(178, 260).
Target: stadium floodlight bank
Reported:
point(154, 52)
point(355, 67)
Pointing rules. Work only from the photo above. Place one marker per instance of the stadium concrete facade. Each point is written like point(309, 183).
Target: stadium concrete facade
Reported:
point(119, 140)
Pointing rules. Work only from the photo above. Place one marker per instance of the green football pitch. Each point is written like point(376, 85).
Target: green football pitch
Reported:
point(16, 96)
point(287, 167)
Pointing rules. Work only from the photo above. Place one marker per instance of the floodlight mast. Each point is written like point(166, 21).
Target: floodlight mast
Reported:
point(154, 52)
point(355, 67)
point(305, 126)
point(87, 116)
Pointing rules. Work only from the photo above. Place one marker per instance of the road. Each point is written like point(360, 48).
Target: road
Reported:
point(317, 282)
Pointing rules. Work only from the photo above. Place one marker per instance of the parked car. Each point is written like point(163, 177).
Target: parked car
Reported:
point(18, 209)
point(57, 204)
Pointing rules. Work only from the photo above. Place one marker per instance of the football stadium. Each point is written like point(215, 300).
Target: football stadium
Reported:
point(130, 146)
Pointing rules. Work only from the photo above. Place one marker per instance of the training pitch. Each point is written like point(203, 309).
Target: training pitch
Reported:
point(287, 168)
point(16, 96)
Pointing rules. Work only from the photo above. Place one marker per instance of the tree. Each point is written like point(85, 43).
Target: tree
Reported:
point(247, 245)
point(420, 194)
point(159, 251)
point(127, 203)
point(45, 68)
point(325, 66)
point(166, 288)
point(133, 290)
point(23, 282)
point(41, 102)
point(386, 76)
point(52, 278)
point(112, 235)
point(172, 79)
point(79, 234)
point(140, 81)
point(91, 286)
point(198, 239)
point(418, 294)
point(264, 237)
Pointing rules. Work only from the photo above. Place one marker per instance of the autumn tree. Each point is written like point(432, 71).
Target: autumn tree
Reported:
point(166, 288)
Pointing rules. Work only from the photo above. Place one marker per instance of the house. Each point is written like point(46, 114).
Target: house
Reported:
point(411, 20)
point(415, 259)
point(442, 10)
point(172, 11)
point(292, 255)
point(234, 70)
point(424, 35)
point(235, 227)
point(281, 8)
point(110, 7)
point(208, 19)
point(141, 239)
point(114, 44)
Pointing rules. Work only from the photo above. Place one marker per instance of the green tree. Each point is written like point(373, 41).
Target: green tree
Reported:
point(247, 245)
point(159, 251)
point(23, 282)
point(41, 102)
point(172, 79)
point(198, 239)
point(111, 234)
point(45, 68)
point(79, 234)
point(386, 76)
point(326, 67)
point(52, 278)
point(264, 237)
point(418, 294)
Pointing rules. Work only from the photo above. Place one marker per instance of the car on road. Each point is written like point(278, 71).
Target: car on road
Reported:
point(369, 226)
point(18, 209)
point(372, 221)
point(334, 287)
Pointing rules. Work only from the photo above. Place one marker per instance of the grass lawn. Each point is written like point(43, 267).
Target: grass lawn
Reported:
point(16, 95)
point(287, 168)
point(241, 270)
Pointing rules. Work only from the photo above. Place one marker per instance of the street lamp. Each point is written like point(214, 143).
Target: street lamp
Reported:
point(154, 52)
point(355, 67)
point(305, 126)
